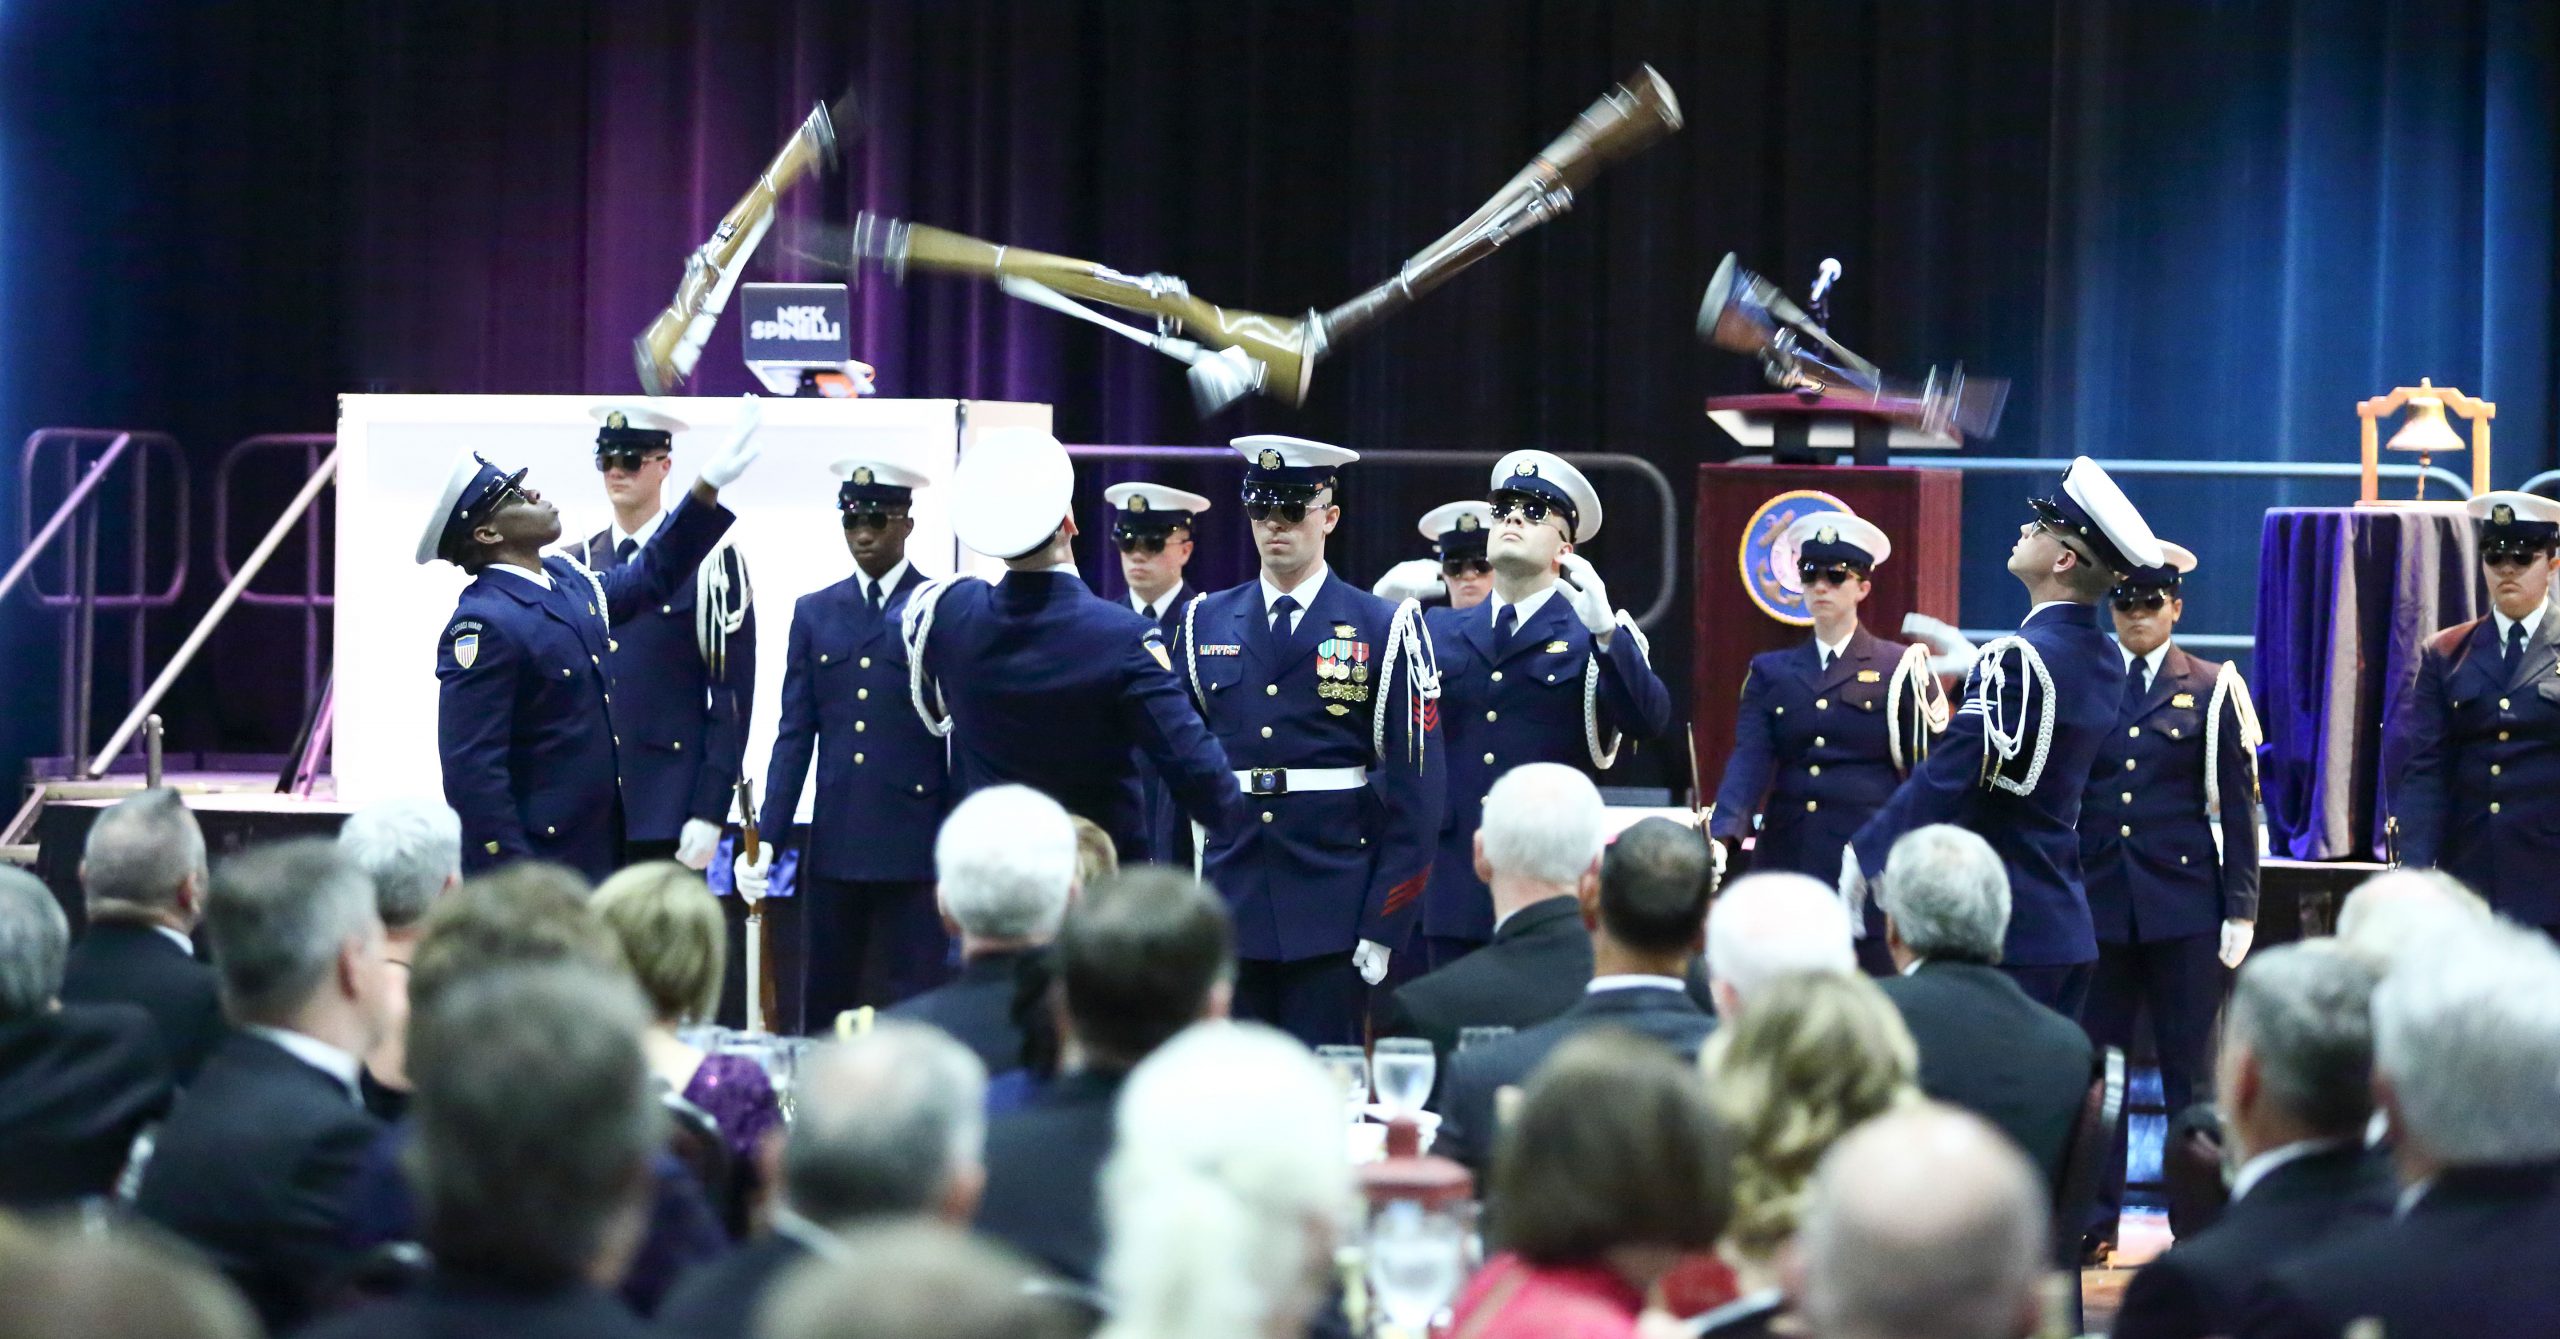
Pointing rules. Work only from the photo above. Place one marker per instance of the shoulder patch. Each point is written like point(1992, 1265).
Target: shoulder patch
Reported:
point(1153, 640)
point(466, 649)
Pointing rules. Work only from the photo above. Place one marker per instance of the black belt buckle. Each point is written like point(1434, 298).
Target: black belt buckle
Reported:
point(1270, 781)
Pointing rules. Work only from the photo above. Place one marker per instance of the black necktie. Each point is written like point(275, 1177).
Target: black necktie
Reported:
point(2137, 683)
point(2515, 646)
point(1826, 658)
point(1150, 612)
point(623, 550)
point(1280, 610)
point(1505, 623)
point(871, 595)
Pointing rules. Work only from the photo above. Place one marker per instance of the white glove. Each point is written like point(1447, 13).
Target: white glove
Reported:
point(696, 845)
point(1955, 654)
point(2235, 941)
point(1370, 957)
point(752, 876)
point(1853, 891)
point(1416, 579)
point(1589, 597)
point(740, 451)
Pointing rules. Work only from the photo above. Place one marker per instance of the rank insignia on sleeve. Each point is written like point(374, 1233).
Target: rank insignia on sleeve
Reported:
point(1555, 647)
point(2183, 700)
point(466, 648)
point(1870, 676)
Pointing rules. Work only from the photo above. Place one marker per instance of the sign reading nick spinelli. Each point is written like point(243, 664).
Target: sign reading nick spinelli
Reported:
point(802, 324)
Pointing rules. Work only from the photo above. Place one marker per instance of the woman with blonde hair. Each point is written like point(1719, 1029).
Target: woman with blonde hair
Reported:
point(671, 932)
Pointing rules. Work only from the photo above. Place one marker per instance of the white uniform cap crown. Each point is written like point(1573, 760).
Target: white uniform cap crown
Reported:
point(1011, 491)
point(1560, 476)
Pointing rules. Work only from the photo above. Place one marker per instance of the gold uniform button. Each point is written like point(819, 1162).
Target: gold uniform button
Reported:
point(2128, 797)
point(1271, 690)
point(1811, 805)
point(1817, 741)
point(861, 694)
point(551, 832)
point(595, 660)
point(857, 760)
point(1497, 676)
point(1782, 711)
point(2128, 764)
point(2124, 831)
point(864, 663)
point(492, 847)
point(1488, 760)
point(1822, 704)
point(822, 657)
point(2502, 736)
point(2502, 704)
point(666, 609)
point(1266, 815)
point(860, 726)
point(1815, 770)
point(2493, 806)
point(1489, 716)
point(2182, 860)
point(678, 746)
point(2493, 769)
point(2133, 732)
point(919, 788)
point(566, 673)
point(1266, 732)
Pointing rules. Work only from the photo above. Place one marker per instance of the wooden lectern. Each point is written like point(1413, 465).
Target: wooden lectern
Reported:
point(1921, 511)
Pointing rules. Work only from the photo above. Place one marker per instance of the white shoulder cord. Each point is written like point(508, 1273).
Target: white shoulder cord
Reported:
point(1605, 758)
point(1406, 637)
point(1191, 660)
point(2227, 685)
point(914, 625)
point(1912, 675)
point(716, 615)
point(604, 611)
point(2003, 741)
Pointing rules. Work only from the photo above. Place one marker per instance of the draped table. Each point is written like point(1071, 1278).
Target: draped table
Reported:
point(2346, 598)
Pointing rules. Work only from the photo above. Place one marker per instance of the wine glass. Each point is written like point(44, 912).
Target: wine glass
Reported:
point(1417, 1262)
point(1404, 1067)
point(1349, 1066)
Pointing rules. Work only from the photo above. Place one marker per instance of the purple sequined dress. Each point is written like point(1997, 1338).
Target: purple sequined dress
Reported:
point(733, 1088)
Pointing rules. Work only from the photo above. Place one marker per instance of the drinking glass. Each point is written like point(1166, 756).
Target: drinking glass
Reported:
point(1478, 1036)
point(1417, 1262)
point(1349, 1066)
point(1404, 1067)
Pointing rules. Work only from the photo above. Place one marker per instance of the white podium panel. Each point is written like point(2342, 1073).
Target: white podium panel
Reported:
point(393, 455)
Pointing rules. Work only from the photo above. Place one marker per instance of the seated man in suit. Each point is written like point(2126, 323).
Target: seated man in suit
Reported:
point(1923, 1221)
point(2295, 1083)
point(1646, 915)
point(2466, 1059)
point(1539, 851)
point(1984, 1045)
point(536, 1121)
point(1771, 925)
point(254, 1164)
point(143, 871)
point(411, 847)
point(1143, 956)
point(889, 1126)
point(76, 1084)
point(1004, 867)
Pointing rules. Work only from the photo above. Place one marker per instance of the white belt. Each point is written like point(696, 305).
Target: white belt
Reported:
point(1282, 780)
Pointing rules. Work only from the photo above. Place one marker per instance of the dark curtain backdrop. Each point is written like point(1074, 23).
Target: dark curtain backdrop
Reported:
point(2186, 230)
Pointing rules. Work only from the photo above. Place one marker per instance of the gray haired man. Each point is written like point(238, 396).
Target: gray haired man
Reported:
point(890, 1126)
point(1922, 1222)
point(412, 850)
point(143, 871)
point(76, 1084)
point(1984, 1044)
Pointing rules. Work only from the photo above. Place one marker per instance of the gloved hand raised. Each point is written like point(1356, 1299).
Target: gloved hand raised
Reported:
point(739, 451)
point(1589, 597)
point(1414, 579)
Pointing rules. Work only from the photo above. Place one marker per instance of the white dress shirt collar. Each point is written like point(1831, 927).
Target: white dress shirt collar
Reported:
point(2151, 660)
point(2532, 624)
point(640, 536)
point(177, 938)
point(1305, 594)
point(887, 582)
point(542, 579)
point(1634, 981)
point(1827, 652)
point(1529, 606)
point(1138, 603)
point(316, 1053)
point(2257, 1168)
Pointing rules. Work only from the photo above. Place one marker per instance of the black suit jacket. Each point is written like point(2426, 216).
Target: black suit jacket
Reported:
point(450, 1307)
point(253, 1168)
point(718, 1298)
point(1986, 1047)
point(124, 962)
point(1466, 1103)
point(1534, 969)
point(2471, 1260)
point(75, 1087)
point(977, 1007)
point(2198, 1288)
point(1043, 1163)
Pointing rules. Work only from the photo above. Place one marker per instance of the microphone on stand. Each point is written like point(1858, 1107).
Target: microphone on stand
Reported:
point(1824, 276)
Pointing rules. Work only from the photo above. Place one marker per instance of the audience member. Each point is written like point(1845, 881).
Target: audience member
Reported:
point(887, 1125)
point(1538, 850)
point(521, 915)
point(2466, 1057)
point(76, 1084)
point(82, 1282)
point(916, 1281)
point(1005, 866)
point(1923, 1224)
point(672, 934)
point(143, 872)
point(1813, 1055)
point(1141, 957)
point(254, 1164)
point(1613, 1169)
point(536, 1123)
point(1769, 926)
point(1228, 1190)
point(412, 850)
point(2295, 1085)
point(1646, 917)
point(1984, 1044)
point(1096, 857)
point(2401, 909)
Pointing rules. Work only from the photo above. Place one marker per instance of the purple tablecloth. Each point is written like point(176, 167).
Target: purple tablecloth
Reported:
point(2346, 595)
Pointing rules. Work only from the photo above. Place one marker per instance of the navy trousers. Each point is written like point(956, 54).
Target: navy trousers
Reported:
point(868, 944)
point(2062, 989)
point(2180, 982)
point(1319, 1001)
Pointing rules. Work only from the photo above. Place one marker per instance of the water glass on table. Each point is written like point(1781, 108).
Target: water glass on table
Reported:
point(1404, 1068)
point(1349, 1066)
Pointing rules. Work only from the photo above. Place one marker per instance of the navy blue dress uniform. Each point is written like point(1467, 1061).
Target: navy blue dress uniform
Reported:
point(2163, 881)
point(1819, 747)
point(870, 931)
point(688, 671)
point(2477, 792)
point(1040, 682)
point(2014, 762)
point(525, 723)
point(1545, 690)
point(1457, 531)
point(1326, 708)
point(1150, 515)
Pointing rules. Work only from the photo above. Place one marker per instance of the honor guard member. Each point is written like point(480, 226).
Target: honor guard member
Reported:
point(1459, 571)
point(1037, 680)
point(2173, 896)
point(1828, 728)
point(870, 931)
point(524, 709)
point(1323, 695)
point(688, 662)
point(2478, 791)
point(1153, 534)
point(2037, 706)
point(1544, 670)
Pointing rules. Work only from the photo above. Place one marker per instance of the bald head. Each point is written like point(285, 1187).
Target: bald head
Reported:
point(1924, 1223)
point(2397, 910)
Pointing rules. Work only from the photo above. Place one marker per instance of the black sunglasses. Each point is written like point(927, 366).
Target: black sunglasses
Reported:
point(1263, 509)
point(1528, 506)
point(871, 520)
point(2144, 598)
point(2507, 556)
point(1132, 543)
point(1465, 567)
point(1836, 574)
point(625, 458)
